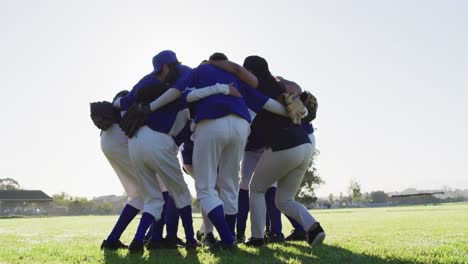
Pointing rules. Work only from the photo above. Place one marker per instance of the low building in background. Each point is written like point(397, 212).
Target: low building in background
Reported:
point(24, 202)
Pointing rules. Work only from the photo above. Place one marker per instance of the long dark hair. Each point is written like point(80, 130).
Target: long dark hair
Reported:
point(267, 83)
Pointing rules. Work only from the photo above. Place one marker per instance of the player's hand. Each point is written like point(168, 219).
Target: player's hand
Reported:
point(233, 91)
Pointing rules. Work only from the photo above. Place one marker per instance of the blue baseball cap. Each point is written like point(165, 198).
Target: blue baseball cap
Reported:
point(162, 58)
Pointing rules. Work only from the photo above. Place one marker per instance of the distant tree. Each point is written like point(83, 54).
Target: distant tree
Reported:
point(379, 197)
point(9, 184)
point(355, 189)
point(104, 208)
point(310, 182)
point(62, 199)
point(330, 198)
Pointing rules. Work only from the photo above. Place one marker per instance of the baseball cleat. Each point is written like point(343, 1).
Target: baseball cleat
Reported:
point(112, 245)
point(274, 238)
point(255, 242)
point(222, 246)
point(297, 236)
point(173, 242)
point(192, 244)
point(209, 240)
point(240, 238)
point(199, 235)
point(315, 235)
point(136, 247)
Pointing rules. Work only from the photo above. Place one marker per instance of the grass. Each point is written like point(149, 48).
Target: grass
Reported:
point(417, 234)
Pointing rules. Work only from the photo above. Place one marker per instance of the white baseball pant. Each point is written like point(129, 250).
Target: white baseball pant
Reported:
point(154, 153)
point(287, 167)
point(219, 143)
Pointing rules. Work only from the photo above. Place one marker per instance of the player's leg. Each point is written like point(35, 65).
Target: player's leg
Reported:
point(210, 137)
point(299, 233)
point(229, 167)
point(140, 151)
point(274, 215)
point(271, 167)
point(205, 232)
point(164, 161)
point(248, 164)
point(114, 145)
point(287, 188)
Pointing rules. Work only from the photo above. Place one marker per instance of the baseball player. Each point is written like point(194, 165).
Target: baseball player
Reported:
point(114, 145)
point(285, 161)
point(152, 150)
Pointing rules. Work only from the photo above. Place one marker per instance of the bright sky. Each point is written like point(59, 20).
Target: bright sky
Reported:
point(391, 78)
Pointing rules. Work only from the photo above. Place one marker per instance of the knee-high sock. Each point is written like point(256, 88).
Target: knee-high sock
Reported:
point(274, 214)
point(128, 213)
point(217, 218)
point(231, 221)
point(145, 222)
point(172, 218)
point(243, 210)
point(157, 227)
point(295, 224)
point(187, 222)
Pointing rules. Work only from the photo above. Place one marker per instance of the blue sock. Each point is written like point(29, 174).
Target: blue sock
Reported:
point(274, 214)
point(145, 222)
point(296, 225)
point(187, 222)
point(243, 205)
point(128, 213)
point(172, 219)
point(158, 225)
point(231, 221)
point(217, 218)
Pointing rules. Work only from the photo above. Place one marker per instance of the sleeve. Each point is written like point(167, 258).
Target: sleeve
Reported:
point(198, 94)
point(126, 101)
point(186, 81)
point(253, 98)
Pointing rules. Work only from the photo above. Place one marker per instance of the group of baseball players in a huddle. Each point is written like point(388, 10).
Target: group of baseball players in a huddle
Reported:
point(226, 120)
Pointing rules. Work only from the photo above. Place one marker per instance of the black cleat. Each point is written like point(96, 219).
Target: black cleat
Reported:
point(173, 242)
point(255, 242)
point(297, 236)
point(112, 245)
point(315, 235)
point(200, 235)
point(209, 240)
point(222, 246)
point(240, 238)
point(136, 247)
point(192, 244)
point(274, 238)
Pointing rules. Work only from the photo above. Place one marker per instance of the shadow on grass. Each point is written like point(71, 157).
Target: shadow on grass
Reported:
point(290, 252)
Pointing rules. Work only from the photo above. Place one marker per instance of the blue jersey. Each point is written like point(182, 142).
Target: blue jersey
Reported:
point(220, 105)
point(271, 130)
point(163, 119)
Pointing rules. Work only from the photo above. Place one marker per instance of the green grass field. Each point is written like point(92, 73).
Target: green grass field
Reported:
point(417, 234)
